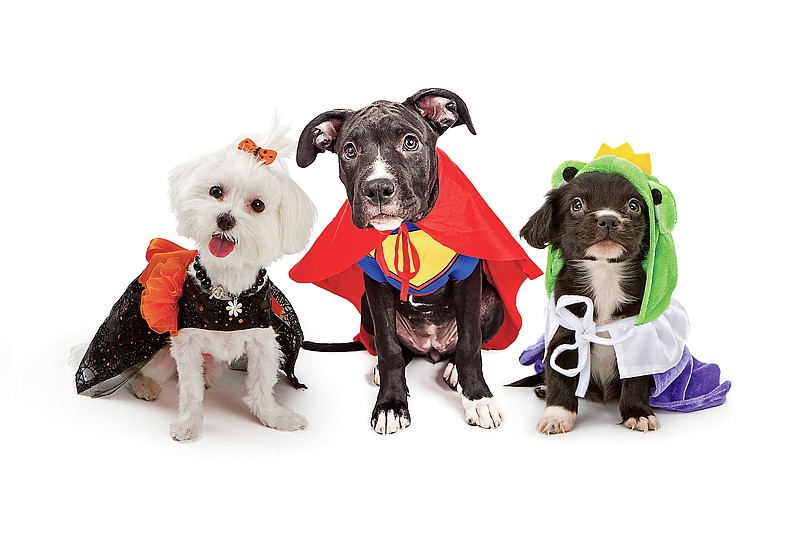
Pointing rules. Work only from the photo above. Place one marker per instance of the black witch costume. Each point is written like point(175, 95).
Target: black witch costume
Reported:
point(165, 299)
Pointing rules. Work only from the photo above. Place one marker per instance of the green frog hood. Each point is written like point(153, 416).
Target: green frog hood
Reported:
point(661, 263)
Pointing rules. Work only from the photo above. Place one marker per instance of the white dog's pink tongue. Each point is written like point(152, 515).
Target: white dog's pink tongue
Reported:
point(220, 246)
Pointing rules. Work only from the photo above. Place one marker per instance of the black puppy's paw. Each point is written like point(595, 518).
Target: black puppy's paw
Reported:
point(634, 405)
point(390, 417)
point(642, 423)
point(556, 419)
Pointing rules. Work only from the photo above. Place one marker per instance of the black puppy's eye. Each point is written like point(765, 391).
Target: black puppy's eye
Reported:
point(410, 143)
point(257, 205)
point(349, 151)
point(215, 191)
point(633, 205)
point(576, 205)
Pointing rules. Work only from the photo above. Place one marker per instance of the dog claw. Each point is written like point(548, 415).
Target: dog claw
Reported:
point(144, 388)
point(643, 424)
point(181, 431)
point(556, 420)
point(388, 421)
point(284, 419)
point(483, 412)
point(450, 376)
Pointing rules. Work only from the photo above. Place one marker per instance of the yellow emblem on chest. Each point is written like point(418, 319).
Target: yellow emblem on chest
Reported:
point(435, 258)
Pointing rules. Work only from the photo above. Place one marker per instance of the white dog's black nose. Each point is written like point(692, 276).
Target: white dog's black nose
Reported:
point(225, 221)
point(609, 222)
point(379, 191)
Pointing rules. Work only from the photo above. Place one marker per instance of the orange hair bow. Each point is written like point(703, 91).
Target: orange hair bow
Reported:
point(262, 154)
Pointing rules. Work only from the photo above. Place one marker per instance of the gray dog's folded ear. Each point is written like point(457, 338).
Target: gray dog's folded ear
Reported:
point(320, 135)
point(443, 109)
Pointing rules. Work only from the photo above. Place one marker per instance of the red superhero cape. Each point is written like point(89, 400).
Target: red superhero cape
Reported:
point(460, 220)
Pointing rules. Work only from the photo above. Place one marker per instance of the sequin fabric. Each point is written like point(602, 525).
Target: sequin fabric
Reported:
point(198, 309)
point(124, 343)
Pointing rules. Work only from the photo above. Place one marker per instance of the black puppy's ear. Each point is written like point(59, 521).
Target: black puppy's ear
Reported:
point(320, 135)
point(443, 109)
point(542, 227)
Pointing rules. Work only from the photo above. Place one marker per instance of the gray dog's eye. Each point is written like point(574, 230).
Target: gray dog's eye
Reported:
point(410, 143)
point(576, 205)
point(633, 205)
point(349, 151)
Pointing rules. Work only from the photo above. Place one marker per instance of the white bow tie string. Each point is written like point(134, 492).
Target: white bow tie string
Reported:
point(586, 333)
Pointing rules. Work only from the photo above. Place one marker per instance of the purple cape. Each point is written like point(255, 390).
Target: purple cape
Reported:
point(690, 385)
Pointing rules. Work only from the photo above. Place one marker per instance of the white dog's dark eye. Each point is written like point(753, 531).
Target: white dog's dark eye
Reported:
point(215, 191)
point(349, 151)
point(257, 205)
point(576, 205)
point(410, 143)
point(633, 206)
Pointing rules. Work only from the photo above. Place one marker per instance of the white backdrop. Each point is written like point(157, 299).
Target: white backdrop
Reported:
point(99, 101)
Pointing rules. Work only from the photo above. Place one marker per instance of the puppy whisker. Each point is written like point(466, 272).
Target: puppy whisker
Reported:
point(225, 235)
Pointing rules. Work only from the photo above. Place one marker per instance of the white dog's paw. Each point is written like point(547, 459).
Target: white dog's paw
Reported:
point(450, 376)
point(388, 421)
point(483, 412)
point(284, 419)
point(144, 388)
point(643, 424)
point(181, 431)
point(556, 420)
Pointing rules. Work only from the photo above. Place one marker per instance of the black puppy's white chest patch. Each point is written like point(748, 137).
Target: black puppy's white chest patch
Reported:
point(605, 282)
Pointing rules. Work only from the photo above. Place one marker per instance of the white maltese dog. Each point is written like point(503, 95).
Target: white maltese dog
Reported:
point(244, 211)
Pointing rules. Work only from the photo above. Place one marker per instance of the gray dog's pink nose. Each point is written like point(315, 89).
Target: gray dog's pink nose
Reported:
point(379, 191)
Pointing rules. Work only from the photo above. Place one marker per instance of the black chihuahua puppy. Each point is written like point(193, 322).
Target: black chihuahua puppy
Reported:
point(600, 224)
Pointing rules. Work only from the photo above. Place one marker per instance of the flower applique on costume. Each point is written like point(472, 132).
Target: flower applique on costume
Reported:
point(163, 300)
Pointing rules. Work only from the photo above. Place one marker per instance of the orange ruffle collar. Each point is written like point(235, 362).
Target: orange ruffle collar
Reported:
point(163, 279)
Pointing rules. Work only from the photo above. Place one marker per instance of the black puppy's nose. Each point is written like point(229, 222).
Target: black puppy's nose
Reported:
point(225, 221)
point(609, 222)
point(379, 191)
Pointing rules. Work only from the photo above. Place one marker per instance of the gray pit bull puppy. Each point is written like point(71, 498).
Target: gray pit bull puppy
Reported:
point(389, 168)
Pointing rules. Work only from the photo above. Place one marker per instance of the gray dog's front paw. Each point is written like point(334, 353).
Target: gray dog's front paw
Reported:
point(450, 376)
point(483, 412)
point(390, 417)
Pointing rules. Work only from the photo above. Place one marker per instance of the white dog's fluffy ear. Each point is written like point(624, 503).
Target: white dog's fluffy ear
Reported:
point(296, 213)
point(296, 217)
